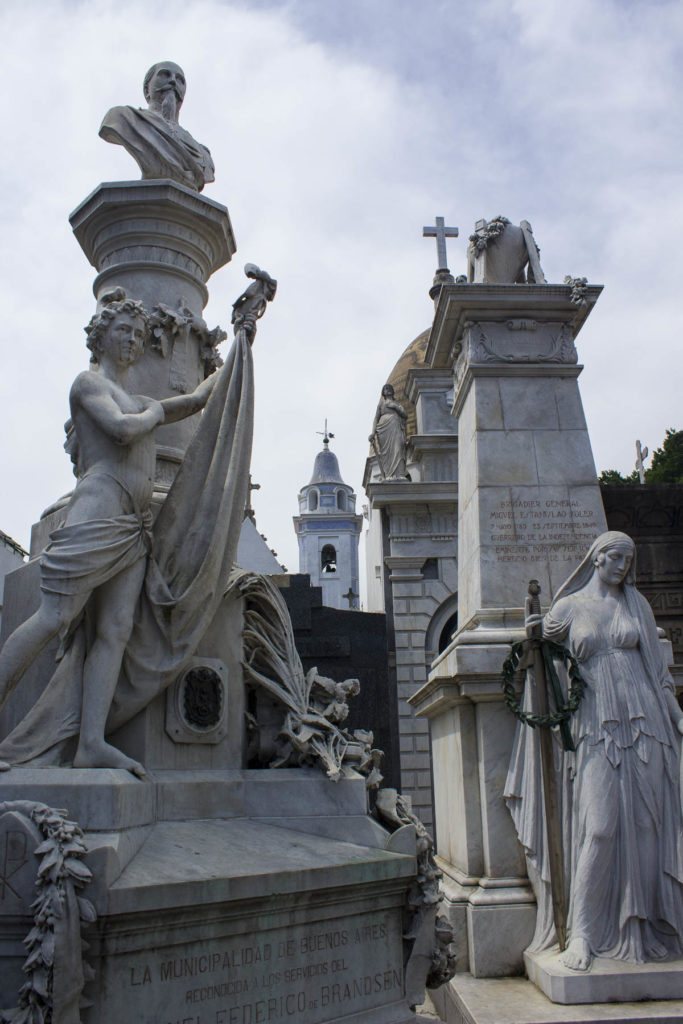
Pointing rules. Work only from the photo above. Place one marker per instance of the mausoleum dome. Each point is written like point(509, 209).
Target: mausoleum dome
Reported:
point(326, 469)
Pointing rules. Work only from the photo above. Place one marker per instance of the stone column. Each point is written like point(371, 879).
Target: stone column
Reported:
point(528, 507)
point(160, 242)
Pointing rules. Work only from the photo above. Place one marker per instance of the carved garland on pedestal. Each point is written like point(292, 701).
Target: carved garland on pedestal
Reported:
point(425, 898)
point(58, 911)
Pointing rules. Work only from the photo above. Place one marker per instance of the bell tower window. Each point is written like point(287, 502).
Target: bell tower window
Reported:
point(328, 559)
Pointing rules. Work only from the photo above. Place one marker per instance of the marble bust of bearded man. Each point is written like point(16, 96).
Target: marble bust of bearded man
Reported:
point(154, 138)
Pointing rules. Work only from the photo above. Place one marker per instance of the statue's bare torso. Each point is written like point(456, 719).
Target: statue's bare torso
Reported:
point(116, 474)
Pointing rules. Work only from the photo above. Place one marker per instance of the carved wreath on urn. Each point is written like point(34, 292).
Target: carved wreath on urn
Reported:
point(171, 328)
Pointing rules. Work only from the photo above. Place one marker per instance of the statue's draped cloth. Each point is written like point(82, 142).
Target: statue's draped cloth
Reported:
point(161, 149)
point(192, 553)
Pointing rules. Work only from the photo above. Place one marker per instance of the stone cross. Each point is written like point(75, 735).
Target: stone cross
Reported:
point(441, 233)
point(641, 455)
point(325, 434)
point(249, 512)
point(350, 596)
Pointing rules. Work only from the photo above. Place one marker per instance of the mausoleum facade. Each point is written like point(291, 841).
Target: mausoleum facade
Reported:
point(411, 551)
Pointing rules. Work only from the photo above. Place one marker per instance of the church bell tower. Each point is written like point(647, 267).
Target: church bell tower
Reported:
point(328, 531)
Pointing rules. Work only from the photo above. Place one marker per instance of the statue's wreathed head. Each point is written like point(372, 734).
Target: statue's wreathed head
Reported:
point(115, 303)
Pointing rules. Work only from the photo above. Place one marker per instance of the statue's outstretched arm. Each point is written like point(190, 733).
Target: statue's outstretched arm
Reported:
point(180, 406)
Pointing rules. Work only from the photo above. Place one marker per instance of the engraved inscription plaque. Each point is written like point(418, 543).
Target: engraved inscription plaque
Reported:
point(326, 970)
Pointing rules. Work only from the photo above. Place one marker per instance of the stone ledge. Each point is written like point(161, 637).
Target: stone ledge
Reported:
point(607, 981)
point(104, 799)
point(468, 1000)
point(210, 862)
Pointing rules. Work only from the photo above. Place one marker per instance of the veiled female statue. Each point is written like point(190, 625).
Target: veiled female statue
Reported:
point(389, 436)
point(619, 791)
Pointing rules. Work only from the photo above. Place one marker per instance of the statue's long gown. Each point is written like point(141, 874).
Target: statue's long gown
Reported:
point(193, 551)
point(391, 435)
point(621, 807)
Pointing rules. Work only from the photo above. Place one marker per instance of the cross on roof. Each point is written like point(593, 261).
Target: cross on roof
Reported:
point(441, 233)
point(350, 596)
point(248, 511)
point(325, 434)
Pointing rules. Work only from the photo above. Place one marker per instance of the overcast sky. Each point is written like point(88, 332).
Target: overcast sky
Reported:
point(338, 129)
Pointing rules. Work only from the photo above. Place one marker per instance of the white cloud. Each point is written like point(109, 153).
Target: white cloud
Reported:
point(338, 130)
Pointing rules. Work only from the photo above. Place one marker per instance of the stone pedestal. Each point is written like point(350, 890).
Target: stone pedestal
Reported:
point(166, 733)
point(157, 239)
point(490, 902)
point(607, 981)
point(470, 1000)
point(226, 897)
point(160, 242)
point(528, 507)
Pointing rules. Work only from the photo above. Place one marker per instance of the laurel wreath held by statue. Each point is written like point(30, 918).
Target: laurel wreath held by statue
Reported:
point(564, 708)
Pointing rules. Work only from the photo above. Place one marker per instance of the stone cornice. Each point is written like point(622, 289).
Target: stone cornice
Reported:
point(462, 302)
point(394, 493)
point(427, 378)
point(434, 442)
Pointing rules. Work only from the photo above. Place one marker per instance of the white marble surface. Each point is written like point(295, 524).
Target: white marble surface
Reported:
point(607, 981)
point(497, 935)
point(209, 912)
point(468, 1000)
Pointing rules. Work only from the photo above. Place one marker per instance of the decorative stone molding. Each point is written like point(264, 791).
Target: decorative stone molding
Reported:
point(556, 345)
point(579, 286)
point(460, 304)
point(404, 568)
point(432, 960)
point(172, 330)
point(128, 229)
point(197, 703)
point(521, 325)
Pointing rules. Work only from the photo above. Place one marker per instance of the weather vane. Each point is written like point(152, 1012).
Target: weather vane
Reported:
point(325, 434)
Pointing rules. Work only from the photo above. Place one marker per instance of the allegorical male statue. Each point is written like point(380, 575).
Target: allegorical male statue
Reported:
point(154, 138)
point(130, 605)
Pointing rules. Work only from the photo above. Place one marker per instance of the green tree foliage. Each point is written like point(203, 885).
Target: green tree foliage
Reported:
point(666, 466)
point(667, 462)
point(613, 476)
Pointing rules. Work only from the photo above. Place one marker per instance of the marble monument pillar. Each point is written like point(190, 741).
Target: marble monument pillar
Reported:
point(528, 505)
